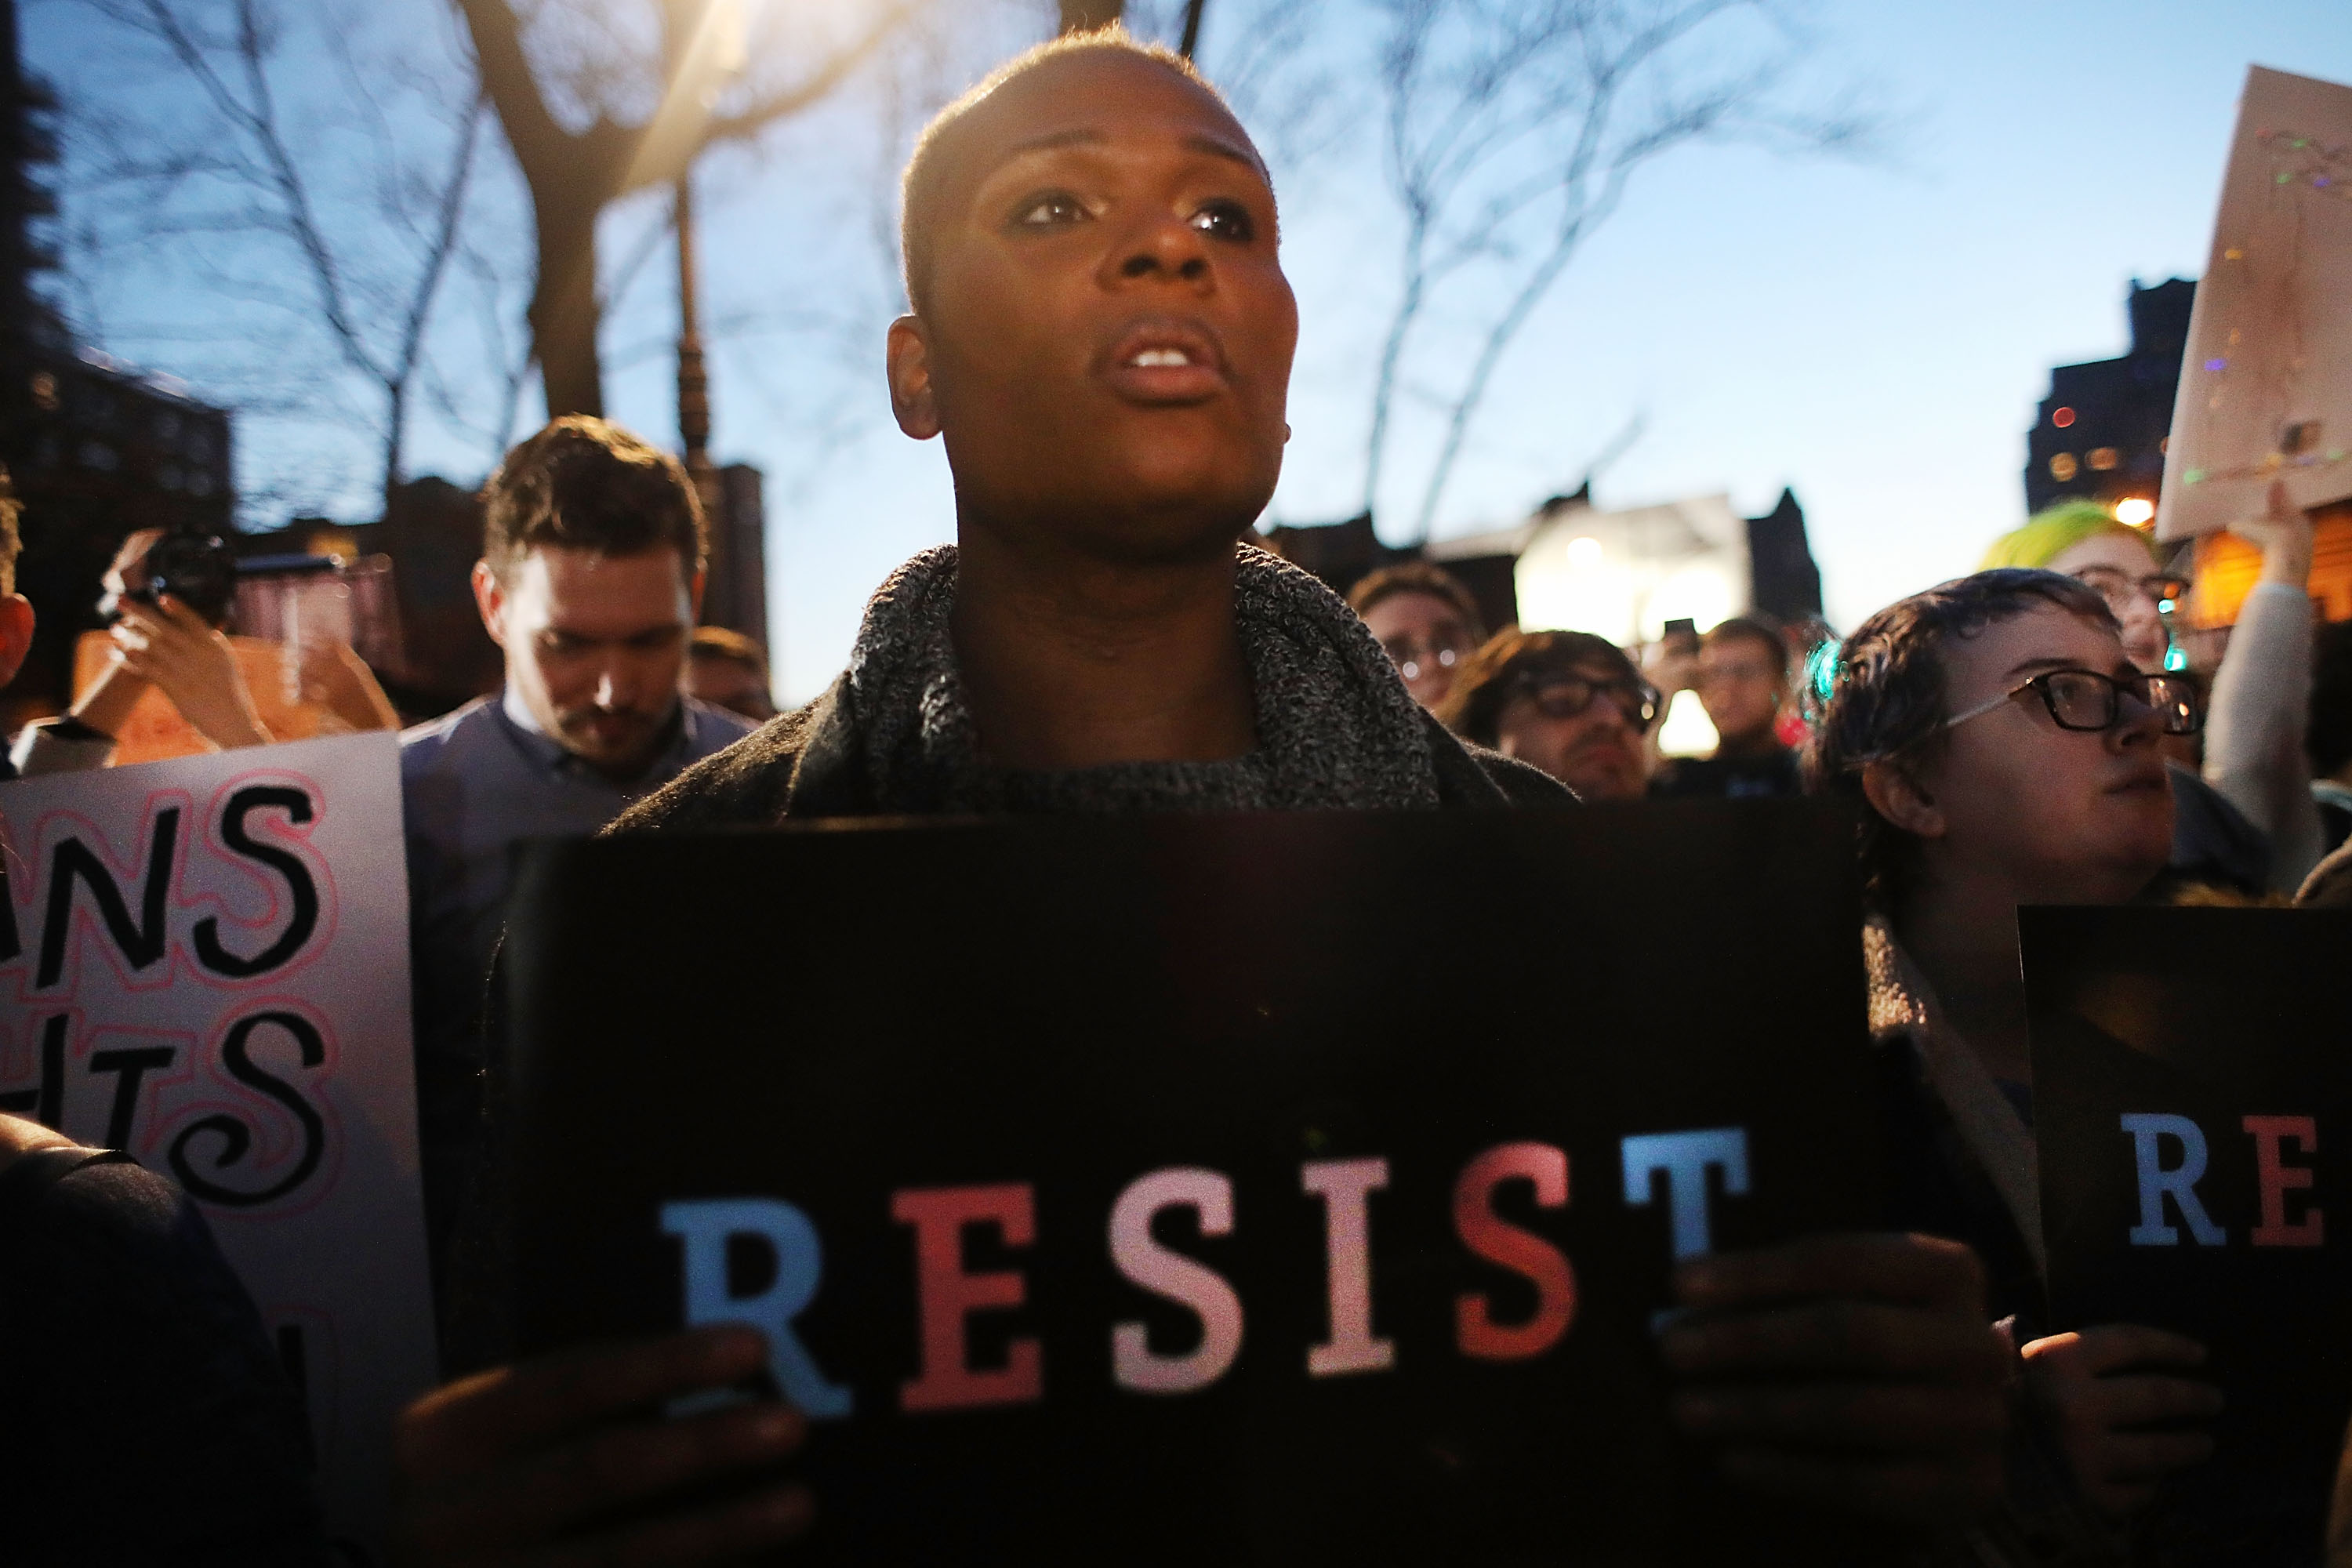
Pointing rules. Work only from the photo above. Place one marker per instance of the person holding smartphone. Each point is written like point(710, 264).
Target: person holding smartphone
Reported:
point(162, 639)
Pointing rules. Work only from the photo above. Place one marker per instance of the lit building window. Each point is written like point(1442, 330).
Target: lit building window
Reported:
point(2063, 466)
point(1623, 575)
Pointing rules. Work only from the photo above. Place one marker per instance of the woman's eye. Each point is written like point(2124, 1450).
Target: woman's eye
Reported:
point(1050, 209)
point(1226, 219)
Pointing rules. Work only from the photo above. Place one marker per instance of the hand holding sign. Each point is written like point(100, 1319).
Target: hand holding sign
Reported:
point(2095, 1387)
point(2284, 535)
point(551, 1461)
point(1857, 1370)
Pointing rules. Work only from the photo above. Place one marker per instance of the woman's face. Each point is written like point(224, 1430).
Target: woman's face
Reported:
point(2065, 815)
point(2118, 568)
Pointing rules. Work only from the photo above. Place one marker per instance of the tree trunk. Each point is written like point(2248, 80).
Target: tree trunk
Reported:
point(564, 313)
point(1087, 16)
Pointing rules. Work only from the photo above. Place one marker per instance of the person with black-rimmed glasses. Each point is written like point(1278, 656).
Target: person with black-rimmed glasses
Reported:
point(1569, 703)
point(2006, 750)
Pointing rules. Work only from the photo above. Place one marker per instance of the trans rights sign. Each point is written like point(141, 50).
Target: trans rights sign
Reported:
point(2192, 1096)
point(1257, 1189)
point(204, 963)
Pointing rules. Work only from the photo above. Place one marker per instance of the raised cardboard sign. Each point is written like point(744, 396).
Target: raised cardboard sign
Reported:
point(204, 963)
point(2266, 386)
point(1244, 1189)
point(2192, 1097)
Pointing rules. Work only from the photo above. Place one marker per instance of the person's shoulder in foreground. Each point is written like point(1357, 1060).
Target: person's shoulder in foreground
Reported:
point(148, 1421)
point(2329, 886)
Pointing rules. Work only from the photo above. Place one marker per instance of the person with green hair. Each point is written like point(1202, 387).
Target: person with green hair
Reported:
point(2248, 821)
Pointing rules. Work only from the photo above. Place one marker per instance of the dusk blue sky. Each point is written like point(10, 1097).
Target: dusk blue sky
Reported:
point(1874, 334)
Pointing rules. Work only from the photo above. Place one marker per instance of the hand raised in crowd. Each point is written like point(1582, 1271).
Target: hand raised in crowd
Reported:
point(2285, 536)
point(2099, 1391)
point(335, 677)
point(169, 644)
point(1855, 1370)
point(566, 1460)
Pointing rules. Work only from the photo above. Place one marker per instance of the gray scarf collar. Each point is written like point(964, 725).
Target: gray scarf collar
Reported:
point(1335, 728)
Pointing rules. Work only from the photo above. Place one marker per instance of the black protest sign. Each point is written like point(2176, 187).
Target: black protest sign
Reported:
point(2192, 1097)
point(1244, 1189)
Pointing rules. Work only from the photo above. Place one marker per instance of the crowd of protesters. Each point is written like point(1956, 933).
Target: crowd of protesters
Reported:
point(1101, 328)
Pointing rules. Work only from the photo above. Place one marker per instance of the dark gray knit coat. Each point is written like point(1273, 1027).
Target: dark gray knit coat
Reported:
point(893, 737)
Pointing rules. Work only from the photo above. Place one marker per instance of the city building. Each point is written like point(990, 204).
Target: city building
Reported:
point(735, 589)
point(2100, 433)
point(1622, 574)
point(93, 448)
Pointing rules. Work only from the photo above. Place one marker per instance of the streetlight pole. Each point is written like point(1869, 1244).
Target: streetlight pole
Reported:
point(688, 55)
point(693, 384)
point(706, 48)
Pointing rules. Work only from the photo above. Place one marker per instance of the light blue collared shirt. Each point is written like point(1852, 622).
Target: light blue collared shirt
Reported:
point(473, 783)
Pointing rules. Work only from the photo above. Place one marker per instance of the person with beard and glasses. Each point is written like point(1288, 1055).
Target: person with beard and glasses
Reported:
point(591, 574)
point(1102, 331)
point(1567, 702)
point(2005, 748)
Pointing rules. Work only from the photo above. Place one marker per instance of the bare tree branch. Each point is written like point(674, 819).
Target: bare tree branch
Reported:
point(1497, 112)
point(245, 165)
point(575, 175)
point(791, 101)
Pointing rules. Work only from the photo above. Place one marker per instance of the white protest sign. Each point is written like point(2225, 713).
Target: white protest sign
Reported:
point(205, 962)
point(2266, 386)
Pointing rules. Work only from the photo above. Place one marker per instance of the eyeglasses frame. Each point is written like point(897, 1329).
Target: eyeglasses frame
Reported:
point(2039, 686)
point(1647, 695)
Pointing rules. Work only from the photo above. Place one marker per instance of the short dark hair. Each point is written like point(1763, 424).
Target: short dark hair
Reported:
point(584, 484)
point(1510, 662)
point(2329, 736)
point(727, 645)
point(11, 540)
point(1889, 698)
point(924, 181)
point(1752, 628)
point(1418, 577)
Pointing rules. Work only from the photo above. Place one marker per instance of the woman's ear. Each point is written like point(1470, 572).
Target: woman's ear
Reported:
point(1896, 793)
point(911, 396)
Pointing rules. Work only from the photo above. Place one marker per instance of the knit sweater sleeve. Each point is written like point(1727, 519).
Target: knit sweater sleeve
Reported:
point(2254, 730)
point(748, 785)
